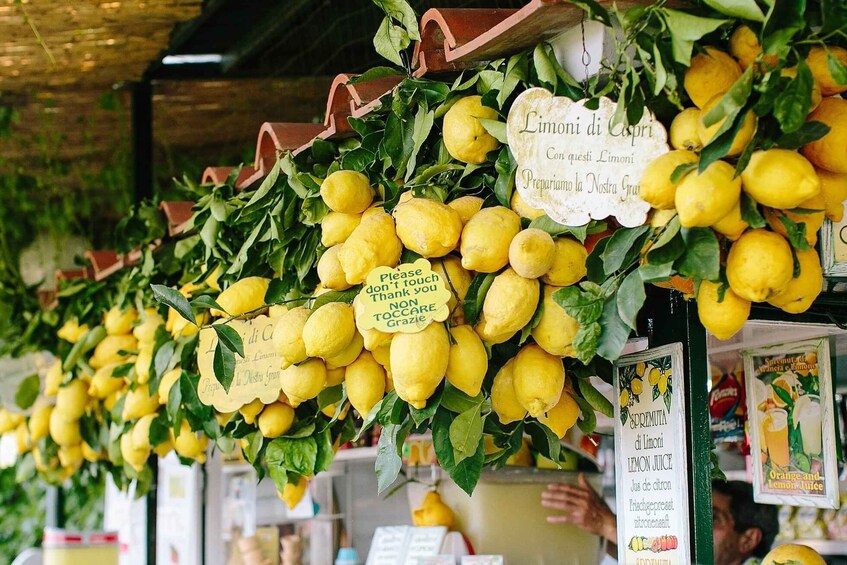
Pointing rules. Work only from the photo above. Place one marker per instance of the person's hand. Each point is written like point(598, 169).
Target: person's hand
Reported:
point(582, 507)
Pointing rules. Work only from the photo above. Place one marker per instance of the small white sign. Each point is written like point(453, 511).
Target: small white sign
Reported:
point(651, 464)
point(423, 542)
point(577, 164)
point(387, 545)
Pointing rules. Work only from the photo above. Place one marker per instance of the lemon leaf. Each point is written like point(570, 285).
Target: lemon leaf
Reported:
point(619, 250)
point(630, 298)
point(388, 461)
point(595, 398)
point(205, 301)
point(223, 365)
point(294, 455)
point(27, 391)
point(544, 440)
point(744, 9)
point(467, 472)
point(554, 228)
point(466, 433)
point(390, 40)
point(807, 133)
point(783, 21)
point(171, 297)
point(792, 105)
point(476, 296)
point(796, 233)
point(614, 332)
point(325, 455)
point(588, 419)
point(701, 260)
point(685, 29)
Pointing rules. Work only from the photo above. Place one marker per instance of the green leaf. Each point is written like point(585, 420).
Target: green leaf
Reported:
point(390, 40)
point(685, 29)
point(457, 401)
point(171, 297)
point(615, 332)
point(792, 104)
point(205, 301)
point(630, 298)
point(808, 132)
point(783, 21)
point(295, 455)
point(401, 11)
point(496, 128)
point(422, 126)
point(837, 69)
point(796, 233)
point(164, 356)
point(656, 273)
point(583, 306)
point(346, 296)
point(588, 420)
point(732, 102)
point(278, 475)
point(383, 406)
point(744, 9)
point(376, 73)
point(27, 392)
point(682, 170)
point(475, 296)
point(585, 341)
point(467, 472)
point(720, 145)
point(554, 228)
point(420, 416)
point(544, 68)
point(505, 166)
point(544, 440)
point(325, 455)
point(230, 338)
point(595, 398)
point(466, 433)
point(750, 212)
point(668, 252)
point(277, 291)
point(224, 365)
point(701, 260)
point(388, 461)
point(620, 246)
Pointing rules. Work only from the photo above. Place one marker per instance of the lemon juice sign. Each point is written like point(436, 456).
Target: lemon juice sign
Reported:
point(791, 424)
point(651, 464)
point(577, 163)
point(405, 299)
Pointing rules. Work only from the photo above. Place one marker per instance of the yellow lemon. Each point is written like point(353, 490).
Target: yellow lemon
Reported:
point(64, 430)
point(802, 290)
point(348, 354)
point(793, 553)
point(145, 332)
point(53, 379)
point(141, 432)
point(568, 263)
point(703, 199)
point(374, 243)
point(818, 61)
point(139, 403)
point(780, 178)
point(328, 330)
point(71, 331)
point(287, 336)
point(759, 265)
point(348, 192)
point(180, 327)
point(468, 360)
point(382, 354)
point(103, 383)
point(457, 280)
point(742, 137)
point(522, 208)
point(466, 207)
point(732, 225)
point(9, 421)
point(433, 512)
point(562, 416)
point(336, 227)
point(187, 444)
point(292, 493)
point(142, 364)
point(486, 237)
point(119, 322)
point(745, 47)
point(164, 448)
point(556, 329)
point(531, 253)
point(637, 386)
point(504, 402)
point(834, 192)
point(136, 458)
point(830, 151)
point(711, 73)
point(276, 419)
point(427, 227)
point(243, 296)
point(251, 410)
point(683, 132)
point(419, 363)
point(538, 379)
point(653, 376)
point(72, 399)
point(168, 381)
point(304, 381)
point(510, 303)
point(812, 219)
point(379, 208)
point(722, 319)
point(108, 350)
point(22, 438)
point(464, 136)
point(89, 454)
point(39, 422)
point(372, 338)
point(335, 376)
point(329, 270)
point(365, 380)
point(656, 188)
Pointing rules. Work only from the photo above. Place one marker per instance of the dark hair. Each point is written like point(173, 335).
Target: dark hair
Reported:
point(747, 514)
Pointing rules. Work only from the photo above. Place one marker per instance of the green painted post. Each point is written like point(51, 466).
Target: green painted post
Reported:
point(668, 318)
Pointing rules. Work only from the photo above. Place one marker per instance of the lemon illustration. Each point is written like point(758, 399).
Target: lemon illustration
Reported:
point(624, 398)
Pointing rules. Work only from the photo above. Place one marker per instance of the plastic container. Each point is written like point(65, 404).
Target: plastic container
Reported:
point(63, 547)
point(347, 556)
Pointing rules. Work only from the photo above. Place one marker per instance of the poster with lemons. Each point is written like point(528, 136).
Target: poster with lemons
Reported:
point(791, 426)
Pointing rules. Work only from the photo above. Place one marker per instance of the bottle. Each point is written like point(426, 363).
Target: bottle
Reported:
point(347, 556)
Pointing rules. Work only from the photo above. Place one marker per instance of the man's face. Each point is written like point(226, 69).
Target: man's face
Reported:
point(726, 539)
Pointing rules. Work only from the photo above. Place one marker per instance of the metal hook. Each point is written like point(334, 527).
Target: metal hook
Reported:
point(839, 325)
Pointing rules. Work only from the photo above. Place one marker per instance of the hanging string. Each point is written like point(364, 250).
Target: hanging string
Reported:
point(586, 56)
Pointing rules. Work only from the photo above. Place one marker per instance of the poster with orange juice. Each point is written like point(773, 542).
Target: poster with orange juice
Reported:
point(791, 425)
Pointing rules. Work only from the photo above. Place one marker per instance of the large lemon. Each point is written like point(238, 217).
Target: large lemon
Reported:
point(818, 61)
point(562, 416)
point(834, 192)
point(304, 381)
point(348, 354)
point(336, 227)
point(433, 512)
point(793, 553)
point(276, 419)
point(466, 206)
point(556, 329)
point(142, 364)
point(119, 322)
point(486, 237)
point(64, 430)
point(780, 178)
point(329, 330)
point(801, 291)
point(732, 225)
point(39, 422)
point(722, 319)
point(136, 458)
point(167, 382)
point(145, 332)
point(830, 151)
point(568, 263)
point(242, 296)
point(813, 215)
point(292, 493)
point(457, 280)
point(141, 432)
point(52, 379)
point(108, 350)
point(419, 363)
point(103, 383)
point(348, 192)
point(335, 376)
point(504, 403)
point(468, 361)
point(702, 199)
point(759, 265)
point(428, 227)
point(365, 380)
point(531, 253)
point(251, 410)
point(711, 73)
point(744, 46)
point(71, 331)
point(72, 398)
point(330, 272)
point(538, 378)
point(510, 303)
point(140, 402)
point(374, 243)
point(189, 445)
point(464, 137)
point(742, 137)
point(287, 336)
point(656, 188)
point(683, 132)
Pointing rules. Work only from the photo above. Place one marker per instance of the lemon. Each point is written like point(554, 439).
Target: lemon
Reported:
point(141, 432)
point(656, 188)
point(103, 383)
point(287, 337)
point(562, 416)
point(683, 132)
point(135, 458)
point(382, 354)
point(107, 351)
point(139, 403)
point(39, 422)
point(335, 376)
point(742, 137)
point(433, 512)
point(72, 398)
point(64, 430)
point(9, 421)
point(812, 220)
point(348, 354)
point(379, 208)
point(722, 319)
point(637, 386)
point(53, 379)
point(801, 291)
point(22, 438)
point(793, 553)
point(568, 263)
point(830, 151)
point(187, 444)
point(329, 330)
point(348, 192)
point(468, 361)
point(112, 399)
point(834, 192)
point(372, 338)
point(745, 47)
point(427, 227)
point(818, 61)
point(365, 380)
point(711, 73)
point(292, 493)
point(780, 178)
point(119, 322)
point(703, 199)
point(241, 297)
point(337, 227)
point(732, 225)
point(389, 380)
point(759, 265)
point(486, 237)
point(251, 410)
point(419, 362)
point(510, 303)
point(531, 253)
point(374, 243)
point(277, 311)
point(145, 332)
point(466, 206)
point(304, 381)
point(276, 419)
point(142, 364)
point(89, 454)
point(523, 457)
point(522, 208)
point(71, 331)
point(457, 280)
point(653, 376)
point(329, 270)
point(556, 329)
point(70, 457)
point(164, 448)
point(180, 327)
point(538, 379)
point(168, 381)
point(464, 136)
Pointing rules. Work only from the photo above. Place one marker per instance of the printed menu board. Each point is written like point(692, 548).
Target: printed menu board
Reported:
point(791, 426)
point(651, 464)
